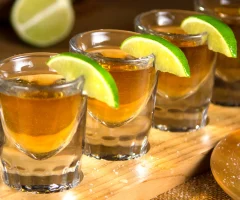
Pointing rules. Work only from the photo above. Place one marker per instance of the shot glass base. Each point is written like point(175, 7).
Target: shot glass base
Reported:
point(115, 153)
point(226, 94)
point(177, 129)
point(180, 121)
point(43, 184)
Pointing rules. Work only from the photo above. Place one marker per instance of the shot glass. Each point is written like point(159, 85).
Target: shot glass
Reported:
point(118, 134)
point(227, 76)
point(181, 103)
point(43, 123)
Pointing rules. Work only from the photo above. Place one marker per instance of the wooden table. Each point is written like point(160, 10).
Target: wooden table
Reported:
point(173, 157)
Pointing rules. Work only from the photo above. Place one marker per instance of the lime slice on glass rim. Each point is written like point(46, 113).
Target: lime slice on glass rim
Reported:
point(99, 83)
point(168, 57)
point(220, 39)
point(42, 23)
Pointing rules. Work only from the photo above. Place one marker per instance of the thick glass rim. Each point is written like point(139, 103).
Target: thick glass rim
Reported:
point(201, 7)
point(137, 22)
point(21, 86)
point(75, 48)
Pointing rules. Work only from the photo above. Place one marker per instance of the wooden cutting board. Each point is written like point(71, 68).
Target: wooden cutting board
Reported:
point(171, 160)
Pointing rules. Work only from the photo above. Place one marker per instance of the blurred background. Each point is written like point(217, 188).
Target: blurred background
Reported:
point(90, 15)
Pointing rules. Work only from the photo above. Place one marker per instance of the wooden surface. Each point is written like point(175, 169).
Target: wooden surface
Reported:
point(171, 160)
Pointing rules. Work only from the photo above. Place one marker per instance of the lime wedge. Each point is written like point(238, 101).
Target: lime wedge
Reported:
point(221, 38)
point(99, 83)
point(42, 22)
point(168, 57)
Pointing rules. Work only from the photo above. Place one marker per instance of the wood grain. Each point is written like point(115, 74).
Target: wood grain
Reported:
point(171, 160)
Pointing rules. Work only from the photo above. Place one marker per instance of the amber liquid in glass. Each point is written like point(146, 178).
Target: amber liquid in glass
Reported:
point(182, 103)
point(227, 81)
point(39, 128)
point(199, 59)
point(134, 85)
point(229, 68)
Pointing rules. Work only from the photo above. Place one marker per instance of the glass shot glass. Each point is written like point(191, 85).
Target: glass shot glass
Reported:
point(118, 134)
point(43, 124)
point(226, 90)
point(181, 103)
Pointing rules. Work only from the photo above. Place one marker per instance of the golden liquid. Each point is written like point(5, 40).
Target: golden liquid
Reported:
point(228, 10)
point(229, 68)
point(200, 61)
point(225, 162)
point(134, 86)
point(40, 122)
